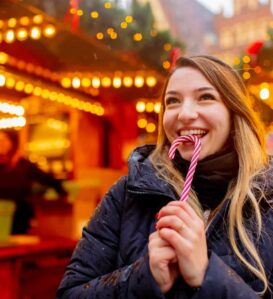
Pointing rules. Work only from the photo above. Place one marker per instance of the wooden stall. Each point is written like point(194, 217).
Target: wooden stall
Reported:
point(78, 99)
point(74, 104)
point(31, 267)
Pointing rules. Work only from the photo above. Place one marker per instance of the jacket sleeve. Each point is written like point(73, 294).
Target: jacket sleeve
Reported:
point(220, 281)
point(223, 282)
point(92, 271)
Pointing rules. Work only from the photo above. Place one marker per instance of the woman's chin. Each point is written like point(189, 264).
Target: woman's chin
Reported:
point(187, 155)
point(186, 152)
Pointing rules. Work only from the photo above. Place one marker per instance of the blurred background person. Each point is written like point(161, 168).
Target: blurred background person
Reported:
point(17, 176)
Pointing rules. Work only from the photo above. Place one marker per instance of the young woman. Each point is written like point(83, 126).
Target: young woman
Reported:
point(144, 243)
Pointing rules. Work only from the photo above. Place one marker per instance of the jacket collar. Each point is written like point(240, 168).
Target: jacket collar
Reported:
point(142, 181)
point(142, 178)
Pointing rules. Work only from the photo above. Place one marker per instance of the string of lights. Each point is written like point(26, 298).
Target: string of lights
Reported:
point(89, 82)
point(146, 118)
point(17, 111)
point(25, 28)
point(38, 89)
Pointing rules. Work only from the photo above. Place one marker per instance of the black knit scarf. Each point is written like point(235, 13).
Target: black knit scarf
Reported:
point(212, 176)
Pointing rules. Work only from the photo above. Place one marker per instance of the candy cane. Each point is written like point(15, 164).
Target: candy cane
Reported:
point(197, 147)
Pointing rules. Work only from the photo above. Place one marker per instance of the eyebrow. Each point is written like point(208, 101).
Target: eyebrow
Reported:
point(198, 89)
point(205, 88)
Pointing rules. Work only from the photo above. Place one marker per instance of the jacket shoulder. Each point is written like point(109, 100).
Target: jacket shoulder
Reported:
point(116, 194)
point(118, 189)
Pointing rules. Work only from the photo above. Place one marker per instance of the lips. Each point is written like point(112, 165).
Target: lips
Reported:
point(198, 132)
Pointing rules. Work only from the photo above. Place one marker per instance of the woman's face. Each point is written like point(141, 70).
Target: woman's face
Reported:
point(194, 106)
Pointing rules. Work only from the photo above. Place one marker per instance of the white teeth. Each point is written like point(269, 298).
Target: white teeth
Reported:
point(192, 132)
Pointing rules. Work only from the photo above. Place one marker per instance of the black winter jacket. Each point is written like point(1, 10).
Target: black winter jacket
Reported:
point(111, 260)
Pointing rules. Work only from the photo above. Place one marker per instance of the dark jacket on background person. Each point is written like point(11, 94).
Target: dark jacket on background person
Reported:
point(16, 184)
point(111, 259)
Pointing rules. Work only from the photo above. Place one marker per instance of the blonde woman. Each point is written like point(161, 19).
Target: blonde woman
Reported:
point(219, 244)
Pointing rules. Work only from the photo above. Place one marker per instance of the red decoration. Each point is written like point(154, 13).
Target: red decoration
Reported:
point(255, 48)
point(73, 19)
point(174, 55)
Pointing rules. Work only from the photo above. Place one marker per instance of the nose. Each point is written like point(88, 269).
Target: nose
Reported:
point(188, 111)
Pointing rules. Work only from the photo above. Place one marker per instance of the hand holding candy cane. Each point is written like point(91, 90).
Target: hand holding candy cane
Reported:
point(180, 226)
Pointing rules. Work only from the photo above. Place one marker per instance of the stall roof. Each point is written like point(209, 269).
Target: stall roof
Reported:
point(46, 62)
point(67, 50)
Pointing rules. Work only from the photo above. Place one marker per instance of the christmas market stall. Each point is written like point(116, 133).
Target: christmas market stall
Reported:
point(79, 106)
point(79, 109)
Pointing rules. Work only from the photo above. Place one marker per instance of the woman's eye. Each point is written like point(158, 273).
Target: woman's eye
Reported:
point(207, 96)
point(170, 101)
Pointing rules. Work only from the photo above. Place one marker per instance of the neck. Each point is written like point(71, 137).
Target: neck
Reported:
point(212, 176)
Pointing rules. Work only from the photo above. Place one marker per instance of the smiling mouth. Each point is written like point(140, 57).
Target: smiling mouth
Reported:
point(197, 132)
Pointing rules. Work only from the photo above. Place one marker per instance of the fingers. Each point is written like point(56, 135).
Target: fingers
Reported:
point(183, 211)
point(171, 221)
point(157, 241)
point(163, 241)
point(184, 231)
point(185, 206)
point(162, 262)
point(159, 247)
point(176, 211)
point(162, 253)
point(180, 226)
point(180, 244)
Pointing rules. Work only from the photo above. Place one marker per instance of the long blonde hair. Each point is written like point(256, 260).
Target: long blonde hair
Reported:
point(248, 138)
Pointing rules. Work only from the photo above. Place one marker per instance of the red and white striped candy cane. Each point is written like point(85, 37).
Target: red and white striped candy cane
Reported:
point(197, 147)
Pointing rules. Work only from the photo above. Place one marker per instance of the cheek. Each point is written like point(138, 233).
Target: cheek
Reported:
point(166, 122)
point(219, 117)
point(226, 122)
point(223, 126)
point(170, 117)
